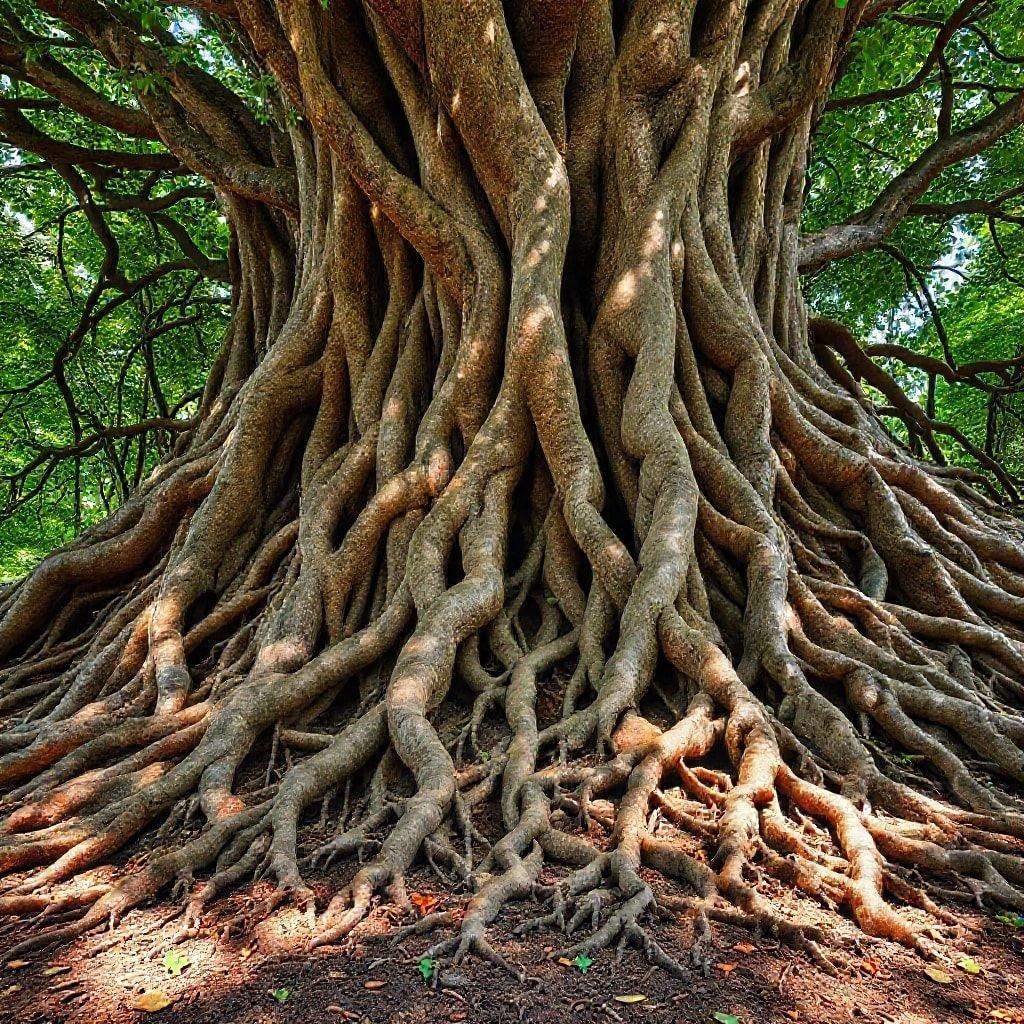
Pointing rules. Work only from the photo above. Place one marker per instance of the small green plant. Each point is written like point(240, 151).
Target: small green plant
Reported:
point(280, 994)
point(175, 962)
point(1013, 920)
point(727, 1018)
point(426, 968)
point(582, 962)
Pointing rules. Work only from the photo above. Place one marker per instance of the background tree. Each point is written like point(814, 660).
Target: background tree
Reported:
point(519, 410)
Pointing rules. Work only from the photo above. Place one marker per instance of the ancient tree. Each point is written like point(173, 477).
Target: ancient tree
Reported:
point(520, 418)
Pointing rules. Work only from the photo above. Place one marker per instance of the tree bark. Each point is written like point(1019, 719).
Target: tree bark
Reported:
point(521, 401)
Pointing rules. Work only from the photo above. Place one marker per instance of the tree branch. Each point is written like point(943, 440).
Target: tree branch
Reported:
point(871, 226)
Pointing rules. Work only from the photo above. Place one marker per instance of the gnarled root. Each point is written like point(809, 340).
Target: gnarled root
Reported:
point(442, 474)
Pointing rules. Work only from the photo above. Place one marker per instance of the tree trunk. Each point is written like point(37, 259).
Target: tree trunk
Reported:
point(521, 408)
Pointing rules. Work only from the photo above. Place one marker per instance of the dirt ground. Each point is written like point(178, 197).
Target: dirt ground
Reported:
point(233, 980)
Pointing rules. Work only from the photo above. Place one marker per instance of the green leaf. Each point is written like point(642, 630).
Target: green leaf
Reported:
point(726, 1018)
point(280, 994)
point(841, 3)
point(485, 755)
point(970, 965)
point(583, 962)
point(426, 968)
point(1013, 920)
point(175, 962)
point(150, 84)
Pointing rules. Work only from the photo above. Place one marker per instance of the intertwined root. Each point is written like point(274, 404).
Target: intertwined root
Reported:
point(659, 808)
point(439, 467)
point(799, 800)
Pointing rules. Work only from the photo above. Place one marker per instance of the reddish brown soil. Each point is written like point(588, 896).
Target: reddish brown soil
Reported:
point(230, 980)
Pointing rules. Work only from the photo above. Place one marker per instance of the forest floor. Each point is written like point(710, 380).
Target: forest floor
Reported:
point(102, 976)
point(262, 972)
point(265, 974)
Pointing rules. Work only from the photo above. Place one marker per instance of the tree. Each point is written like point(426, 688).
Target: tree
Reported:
point(520, 411)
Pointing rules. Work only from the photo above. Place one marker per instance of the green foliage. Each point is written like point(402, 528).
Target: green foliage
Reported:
point(50, 262)
point(974, 268)
point(41, 305)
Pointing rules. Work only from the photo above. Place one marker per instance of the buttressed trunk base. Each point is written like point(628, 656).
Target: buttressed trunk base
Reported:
point(520, 400)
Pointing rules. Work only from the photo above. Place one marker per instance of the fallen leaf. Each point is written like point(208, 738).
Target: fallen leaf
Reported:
point(175, 962)
point(10, 990)
point(51, 971)
point(373, 984)
point(725, 1018)
point(870, 967)
point(744, 947)
point(633, 997)
point(565, 961)
point(726, 968)
point(970, 965)
point(423, 902)
point(16, 965)
point(583, 962)
point(426, 968)
point(152, 1001)
point(938, 975)
point(793, 1014)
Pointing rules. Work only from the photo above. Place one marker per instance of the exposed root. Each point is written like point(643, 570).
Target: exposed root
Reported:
point(609, 542)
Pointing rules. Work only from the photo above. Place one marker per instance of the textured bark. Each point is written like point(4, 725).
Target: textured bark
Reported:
point(520, 386)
